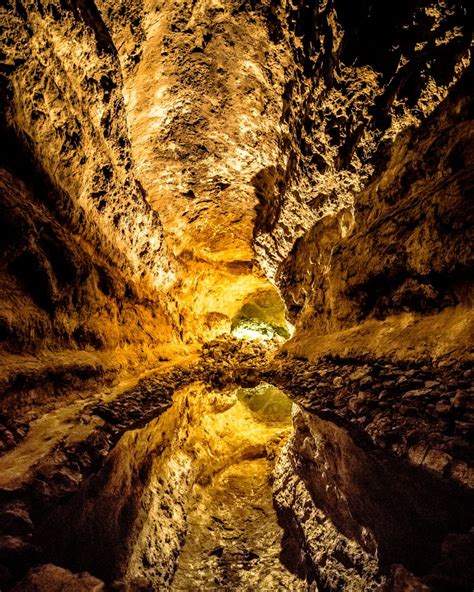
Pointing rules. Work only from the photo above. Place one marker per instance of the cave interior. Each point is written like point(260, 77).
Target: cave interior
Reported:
point(236, 312)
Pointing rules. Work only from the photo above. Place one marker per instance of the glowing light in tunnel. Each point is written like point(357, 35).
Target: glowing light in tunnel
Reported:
point(256, 329)
point(262, 317)
point(247, 333)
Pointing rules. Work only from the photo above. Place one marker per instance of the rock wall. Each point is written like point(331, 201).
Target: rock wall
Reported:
point(63, 99)
point(239, 125)
point(362, 76)
point(84, 270)
point(382, 299)
point(406, 250)
point(67, 313)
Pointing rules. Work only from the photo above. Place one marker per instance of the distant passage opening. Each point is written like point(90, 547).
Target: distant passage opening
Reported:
point(263, 317)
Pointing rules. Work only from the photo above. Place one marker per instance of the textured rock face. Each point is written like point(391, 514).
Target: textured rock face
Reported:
point(170, 171)
point(82, 254)
point(407, 249)
point(50, 578)
point(383, 285)
point(363, 75)
point(66, 103)
point(239, 125)
point(203, 100)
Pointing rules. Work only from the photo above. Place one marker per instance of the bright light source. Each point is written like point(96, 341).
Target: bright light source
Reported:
point(244, 333)
point(256, 329)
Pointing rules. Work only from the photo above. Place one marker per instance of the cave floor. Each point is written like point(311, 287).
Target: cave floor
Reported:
point(234, 540)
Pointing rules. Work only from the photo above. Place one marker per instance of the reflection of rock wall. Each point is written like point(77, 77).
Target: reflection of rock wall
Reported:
point(356, 511)
point(130, 520)
point(379, 471)
point(313, 545)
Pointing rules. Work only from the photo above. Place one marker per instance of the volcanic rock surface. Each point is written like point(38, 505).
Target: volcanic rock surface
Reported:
point(236, 295)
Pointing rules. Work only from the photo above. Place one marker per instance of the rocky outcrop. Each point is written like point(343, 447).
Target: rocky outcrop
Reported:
point(50, 578)
point(412, 411)
point(406, 250)
point(362, 76)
